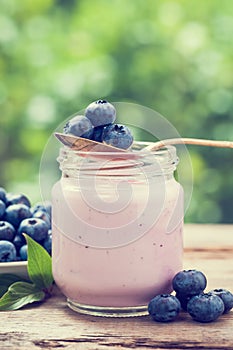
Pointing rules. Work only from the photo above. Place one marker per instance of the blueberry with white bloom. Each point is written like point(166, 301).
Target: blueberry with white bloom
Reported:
point(79, 126)
point(101, 112)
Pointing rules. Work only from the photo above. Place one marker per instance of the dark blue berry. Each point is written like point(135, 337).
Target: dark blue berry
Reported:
point(98, 134)
point(118, 136)
point(101, 112)
point(47, 244)
point(205, 307)
point(43, 215)
point(16, 213)
point(12, 198)
point(226, 296)
point(7, 251)
point(38, 207)
point(3, 194)
point(164, 308)
point(189, 282)
point(7, 231)
point(183, 299)
point(18, 242)
point(35, 228)
point(2, 208)
point(79, 126)
point(23, 252)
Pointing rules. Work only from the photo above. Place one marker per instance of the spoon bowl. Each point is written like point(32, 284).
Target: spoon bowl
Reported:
point(85, 145)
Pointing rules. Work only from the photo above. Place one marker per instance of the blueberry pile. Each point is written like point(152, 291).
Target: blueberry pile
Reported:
point(98, 125)
point(189, 286)
point(17, 216)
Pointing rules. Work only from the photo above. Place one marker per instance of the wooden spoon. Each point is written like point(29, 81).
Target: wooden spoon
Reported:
point(86, 145)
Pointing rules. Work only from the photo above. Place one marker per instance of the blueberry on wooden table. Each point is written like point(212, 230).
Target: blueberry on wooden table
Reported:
point(226, 296)
point(164, 308)
point(205, 307)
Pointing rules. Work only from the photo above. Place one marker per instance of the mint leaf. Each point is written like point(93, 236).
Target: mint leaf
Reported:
point(20, 294)
point(6, 280)
point(39, 264)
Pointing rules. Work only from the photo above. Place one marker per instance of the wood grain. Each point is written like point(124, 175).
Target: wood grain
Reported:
point(52, 325)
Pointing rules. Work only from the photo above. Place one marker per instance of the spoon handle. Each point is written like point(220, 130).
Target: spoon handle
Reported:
point(189, 141)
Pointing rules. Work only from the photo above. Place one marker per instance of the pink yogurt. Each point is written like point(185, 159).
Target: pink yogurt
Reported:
point(117, 235)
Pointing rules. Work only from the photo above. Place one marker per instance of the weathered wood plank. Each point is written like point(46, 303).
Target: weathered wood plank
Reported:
point(53, 325)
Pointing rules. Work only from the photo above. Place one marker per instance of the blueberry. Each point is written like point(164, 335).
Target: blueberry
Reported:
point(189, 282)
point(23, 252)
point(183, 299)
point(43, 215)
point(226, 296)
point(101, 112)
point(98, 133)
point(47, 244)
point(3, 194)
point(164, 308)
point(38, 207)
point(2, 208)
point(118, 136)
point(7, 231)
point(42, 206)
point(79, 126)
point(205, 307)
point(18, 242)
point(16, 213)
point(12, 198)
point(7, 251)
point(35, 228)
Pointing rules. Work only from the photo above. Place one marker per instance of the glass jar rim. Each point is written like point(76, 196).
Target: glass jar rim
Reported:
point(165, 159)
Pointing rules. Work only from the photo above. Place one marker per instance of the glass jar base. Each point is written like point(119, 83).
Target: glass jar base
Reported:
point(107, 311)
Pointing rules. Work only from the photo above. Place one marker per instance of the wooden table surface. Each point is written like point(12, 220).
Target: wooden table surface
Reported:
point(52, 325)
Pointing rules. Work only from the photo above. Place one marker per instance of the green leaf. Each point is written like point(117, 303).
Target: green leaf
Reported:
point(6, 280)
point(39, 264)
point(20, 294)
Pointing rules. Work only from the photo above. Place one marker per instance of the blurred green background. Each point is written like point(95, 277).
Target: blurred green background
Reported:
point(57, 56)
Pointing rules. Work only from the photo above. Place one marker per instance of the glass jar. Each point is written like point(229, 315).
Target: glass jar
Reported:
point(117, 229)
